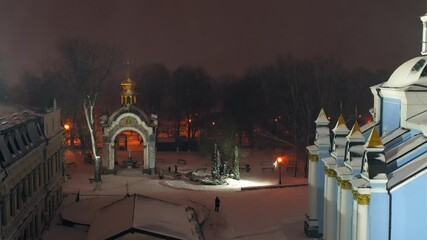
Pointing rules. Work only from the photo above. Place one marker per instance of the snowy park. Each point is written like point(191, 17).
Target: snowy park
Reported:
point(267, 213)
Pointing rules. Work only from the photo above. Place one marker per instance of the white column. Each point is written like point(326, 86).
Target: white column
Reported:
point(362, 218)
point(146, 163)
point(312, 192)
point(354, 218)
point(331, 201)
point(424, 37)
point(111, 157)
point(325, 205)
point(338, 207)
point(346, 210)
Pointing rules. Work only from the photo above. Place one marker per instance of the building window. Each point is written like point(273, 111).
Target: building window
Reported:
point(28, 136)
point(418, 65)
point(9, 146)
point(24, 138)
point(15, 141)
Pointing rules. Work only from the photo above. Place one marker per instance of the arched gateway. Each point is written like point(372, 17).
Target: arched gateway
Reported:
point(129, 118)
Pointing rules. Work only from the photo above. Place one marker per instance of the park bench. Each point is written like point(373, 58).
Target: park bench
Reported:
point(181, 161)
point(266, 166)
point(269, 168)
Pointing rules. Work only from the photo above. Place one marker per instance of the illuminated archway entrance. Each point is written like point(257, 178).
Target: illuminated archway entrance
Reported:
point(132, 120)
point(129, 118)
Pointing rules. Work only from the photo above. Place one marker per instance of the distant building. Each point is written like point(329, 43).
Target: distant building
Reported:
point(31, 170)
point(370, 181)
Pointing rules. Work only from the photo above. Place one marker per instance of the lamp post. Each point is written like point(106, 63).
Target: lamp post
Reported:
point(279, 162)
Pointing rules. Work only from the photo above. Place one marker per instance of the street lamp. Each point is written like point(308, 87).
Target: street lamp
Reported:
point(279, 162)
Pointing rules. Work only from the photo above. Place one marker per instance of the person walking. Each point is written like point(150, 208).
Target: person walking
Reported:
point(217, 204)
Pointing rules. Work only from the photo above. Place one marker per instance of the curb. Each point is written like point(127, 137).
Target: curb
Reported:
point(273, 186)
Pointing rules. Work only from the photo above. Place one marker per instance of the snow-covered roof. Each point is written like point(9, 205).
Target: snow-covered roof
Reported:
point(357, 149)
point(368, 126)
point(340, 141)
point(407, 171)
point(356, 162)
point(404, 148)
point(418, 122)
point(412, 72)
point(342, 171)
point(313, 148)
point(359, 182)
point(146, 215)
point(329, 161)
point(12, 115)
point(393, 135)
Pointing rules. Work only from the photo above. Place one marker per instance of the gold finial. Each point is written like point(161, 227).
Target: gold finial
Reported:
point(340, 120)
point(374, 139)
point(356, 128)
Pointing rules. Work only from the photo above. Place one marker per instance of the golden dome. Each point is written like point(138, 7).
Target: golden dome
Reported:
point(128, 95)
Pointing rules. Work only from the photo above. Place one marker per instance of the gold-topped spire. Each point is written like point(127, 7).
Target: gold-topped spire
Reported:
point(128, 95)
point(356, 128)
point(340, 120)
point(374, 140)
point(341, 127)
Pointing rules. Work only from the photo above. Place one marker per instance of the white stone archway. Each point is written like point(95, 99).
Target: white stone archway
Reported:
point(124, 121)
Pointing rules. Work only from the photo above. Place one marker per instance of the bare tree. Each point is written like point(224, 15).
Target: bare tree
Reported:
point(85, 68)
point(88, 106)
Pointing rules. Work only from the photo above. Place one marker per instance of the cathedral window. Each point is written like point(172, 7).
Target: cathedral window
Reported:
point(424, 72)
point(418, 65)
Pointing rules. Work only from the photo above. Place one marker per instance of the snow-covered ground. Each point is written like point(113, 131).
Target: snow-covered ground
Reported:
point(256, 214)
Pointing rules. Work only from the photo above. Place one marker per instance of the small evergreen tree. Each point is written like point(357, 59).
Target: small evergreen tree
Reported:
point(218, 164)
point(214, 163)
point(236, 170)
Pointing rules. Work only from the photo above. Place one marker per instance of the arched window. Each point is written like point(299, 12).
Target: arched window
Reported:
point(418, 65)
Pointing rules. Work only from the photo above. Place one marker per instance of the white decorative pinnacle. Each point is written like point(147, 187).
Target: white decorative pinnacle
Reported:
point(322, 119)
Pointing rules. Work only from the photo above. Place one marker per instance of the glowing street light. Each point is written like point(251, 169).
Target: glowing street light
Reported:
point(279, 162)
point(67, 126)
